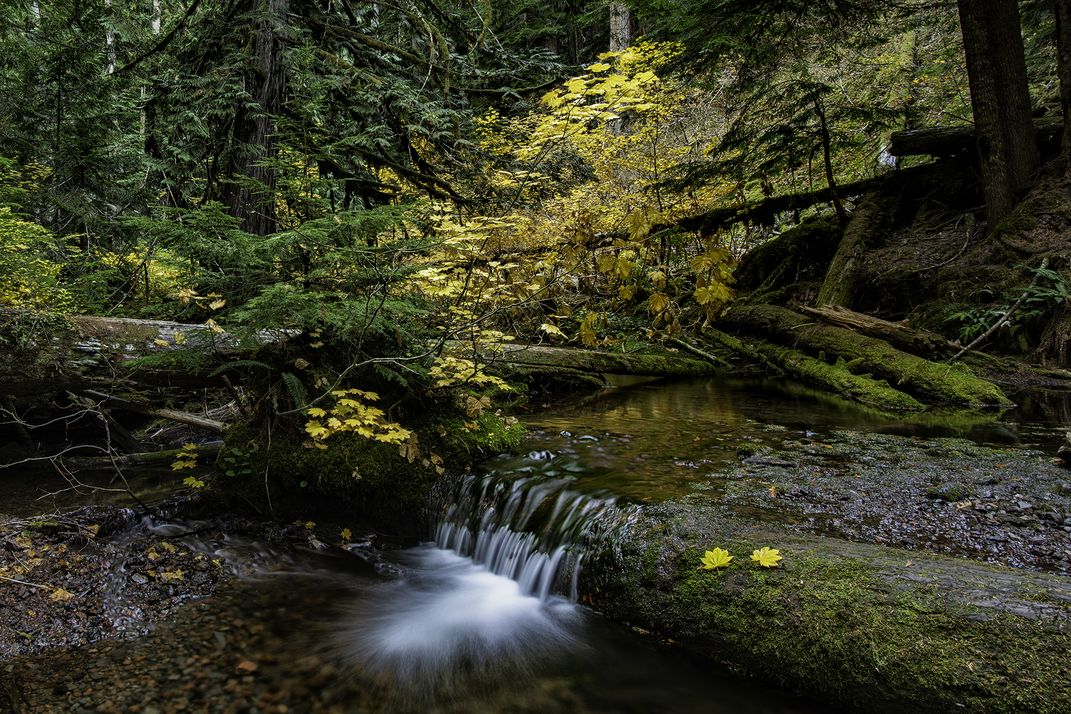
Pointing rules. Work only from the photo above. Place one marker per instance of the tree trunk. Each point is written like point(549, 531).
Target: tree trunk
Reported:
point(1062, 10)
point(620, 26)
point(868, 225)
point(827, 162)
point(1000, 100)
point(253, 200)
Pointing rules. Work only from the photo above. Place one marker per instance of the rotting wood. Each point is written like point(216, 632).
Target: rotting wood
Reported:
point(898, 334)
point(934, 383)
point(961, 140)
point(159, 412)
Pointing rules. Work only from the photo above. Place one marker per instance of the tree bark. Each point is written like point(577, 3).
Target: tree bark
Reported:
point(933, 383)
point(253, 200)
point(1000, 101)
point(620, 26)
point(1062, 10)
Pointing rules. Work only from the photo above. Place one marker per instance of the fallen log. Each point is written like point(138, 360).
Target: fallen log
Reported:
point(205, 453)
point(197, 420)
point(648, 364)
point(860, 626)
point(961, 140)
point(814, 372)
point(933, 383)
point(898, 334)
point(46, 354)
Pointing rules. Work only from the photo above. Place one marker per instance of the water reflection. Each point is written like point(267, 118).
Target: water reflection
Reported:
point(656, 441)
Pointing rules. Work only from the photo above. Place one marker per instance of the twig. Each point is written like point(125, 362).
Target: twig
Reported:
point(1003, 319)
point(23, 582)
point(712, 358)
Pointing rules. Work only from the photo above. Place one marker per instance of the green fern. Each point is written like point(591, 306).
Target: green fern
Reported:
point(296, 389)
point(239, 364)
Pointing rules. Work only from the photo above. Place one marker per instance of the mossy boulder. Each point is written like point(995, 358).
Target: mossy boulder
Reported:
point(384, 483)
point(860, 626)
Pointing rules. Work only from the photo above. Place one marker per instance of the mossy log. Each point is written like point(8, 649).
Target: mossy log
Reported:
point(833, 378)
point(898, 334)
point(47, 354)
point(868, 226)
point(648, 364)
point(962, 141)
point(933, 383)
point(866, 627)
point(205, 453)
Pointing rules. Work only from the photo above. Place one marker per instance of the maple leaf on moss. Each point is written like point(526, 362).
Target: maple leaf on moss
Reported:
point(767, 557)
point(714, 559)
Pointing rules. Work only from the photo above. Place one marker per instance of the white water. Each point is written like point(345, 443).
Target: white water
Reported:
point(488, 598)
point(449, 620)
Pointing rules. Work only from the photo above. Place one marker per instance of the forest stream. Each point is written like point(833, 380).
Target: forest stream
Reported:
point(187, 615)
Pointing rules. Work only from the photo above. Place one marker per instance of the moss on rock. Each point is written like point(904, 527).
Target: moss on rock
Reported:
point(861, 626)
point(385, 483)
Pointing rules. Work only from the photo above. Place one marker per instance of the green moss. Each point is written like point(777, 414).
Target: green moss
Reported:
point(837, 627)
point(938, 384)
point(367, 477)
point(836, 378)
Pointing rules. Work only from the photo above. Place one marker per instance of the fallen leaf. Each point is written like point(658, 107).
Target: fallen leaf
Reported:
point(247, 666)
point(714, 559)
point(767, 557)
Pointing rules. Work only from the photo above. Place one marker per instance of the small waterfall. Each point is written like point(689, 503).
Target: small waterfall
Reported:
point(531, 529)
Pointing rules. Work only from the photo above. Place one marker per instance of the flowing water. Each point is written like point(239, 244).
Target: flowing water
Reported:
point(483, 617)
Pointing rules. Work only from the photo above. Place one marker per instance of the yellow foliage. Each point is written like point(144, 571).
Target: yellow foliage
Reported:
point(351, 412)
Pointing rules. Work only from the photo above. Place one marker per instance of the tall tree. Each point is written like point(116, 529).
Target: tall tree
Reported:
point(1000, 101)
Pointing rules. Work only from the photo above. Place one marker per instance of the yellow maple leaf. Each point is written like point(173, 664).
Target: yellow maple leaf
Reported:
point(551, 330)
point(767, 557)
point(717, 558)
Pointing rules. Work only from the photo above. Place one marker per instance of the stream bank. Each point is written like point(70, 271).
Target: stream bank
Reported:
point(968, 597)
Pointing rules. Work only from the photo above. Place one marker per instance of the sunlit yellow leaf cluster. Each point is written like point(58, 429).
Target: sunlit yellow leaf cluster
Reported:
point(351, 412)
point(186, 458)
point(717, 558)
